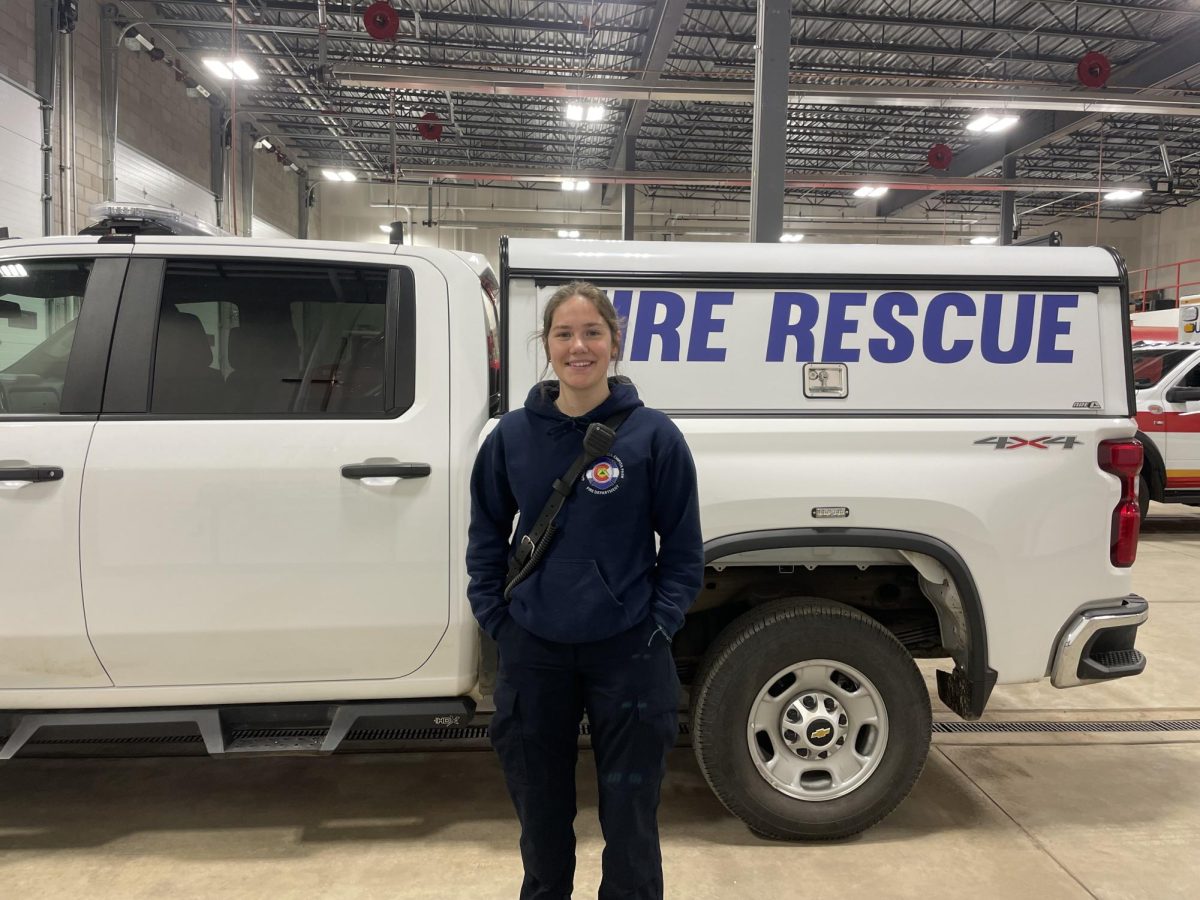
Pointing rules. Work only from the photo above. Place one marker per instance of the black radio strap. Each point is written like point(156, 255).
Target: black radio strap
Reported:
point(533, 546)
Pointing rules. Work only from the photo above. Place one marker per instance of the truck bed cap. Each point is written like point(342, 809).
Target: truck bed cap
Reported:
point(628, 257)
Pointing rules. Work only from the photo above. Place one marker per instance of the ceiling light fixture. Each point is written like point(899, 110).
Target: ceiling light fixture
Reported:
point(983, 239)
point(869, 190)
point(263, 144)
point(568, 233)
point(593, 112)
point(791, 238)
point(992, 124)
point(229, 69)
point(13, 270)
point(1123, 194)
point(386, 229)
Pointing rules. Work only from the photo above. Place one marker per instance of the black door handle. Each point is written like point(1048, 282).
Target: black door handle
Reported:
point(32, 473)
point(387, 470)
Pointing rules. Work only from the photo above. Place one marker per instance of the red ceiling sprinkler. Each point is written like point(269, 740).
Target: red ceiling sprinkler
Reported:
point(940, 157)
point(430, 127)
point(381, 20)
point(1093, 70)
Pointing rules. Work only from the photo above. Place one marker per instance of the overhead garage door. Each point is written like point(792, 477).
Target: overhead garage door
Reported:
point(142, 179)
point(20, 151)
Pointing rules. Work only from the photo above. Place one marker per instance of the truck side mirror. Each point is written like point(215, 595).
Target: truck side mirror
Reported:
point(1183, 394)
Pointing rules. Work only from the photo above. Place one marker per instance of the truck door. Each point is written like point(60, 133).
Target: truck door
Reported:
point(268, 496)
point(56, 320)
point(1182, 425)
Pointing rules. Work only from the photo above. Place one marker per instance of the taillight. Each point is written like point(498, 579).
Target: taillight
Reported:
point(1123, 459)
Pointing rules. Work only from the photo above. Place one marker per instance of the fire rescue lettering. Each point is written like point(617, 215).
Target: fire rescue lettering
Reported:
point(846, 326)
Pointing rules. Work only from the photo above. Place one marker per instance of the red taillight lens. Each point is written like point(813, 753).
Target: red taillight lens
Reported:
point(1123, 459)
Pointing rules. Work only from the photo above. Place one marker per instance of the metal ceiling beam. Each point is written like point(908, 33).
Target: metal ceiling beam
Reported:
point(1169, 64)
point(901, 48)
point(830, 180)
point(653, 59)
point(1177, 9)
point(980, 26)
point(678, 90)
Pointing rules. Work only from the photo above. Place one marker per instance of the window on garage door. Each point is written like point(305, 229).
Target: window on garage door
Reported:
point(40, 303)
point(265, 338)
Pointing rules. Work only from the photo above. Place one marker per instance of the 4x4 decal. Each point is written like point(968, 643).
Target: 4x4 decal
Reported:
point(1002, 442)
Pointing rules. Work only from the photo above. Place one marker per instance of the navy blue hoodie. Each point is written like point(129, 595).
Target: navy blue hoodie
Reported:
point(601, 575)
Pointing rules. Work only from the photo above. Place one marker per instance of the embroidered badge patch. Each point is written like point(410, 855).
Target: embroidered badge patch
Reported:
point(604, 476)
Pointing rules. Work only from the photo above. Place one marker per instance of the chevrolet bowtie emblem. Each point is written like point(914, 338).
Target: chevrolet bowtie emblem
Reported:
point(821, 732)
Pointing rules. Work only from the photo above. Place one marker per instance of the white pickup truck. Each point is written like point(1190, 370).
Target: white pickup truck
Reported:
point(233, 489)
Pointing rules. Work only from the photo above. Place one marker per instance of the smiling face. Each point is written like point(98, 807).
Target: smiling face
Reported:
point(580, 346)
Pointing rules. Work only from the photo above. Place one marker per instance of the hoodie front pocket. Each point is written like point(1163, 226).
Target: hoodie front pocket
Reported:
point(567, 600)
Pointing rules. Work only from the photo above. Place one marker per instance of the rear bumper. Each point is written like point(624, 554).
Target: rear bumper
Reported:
point(1097, 644)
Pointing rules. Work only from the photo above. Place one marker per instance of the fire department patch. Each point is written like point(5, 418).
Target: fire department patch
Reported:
point(605, 475)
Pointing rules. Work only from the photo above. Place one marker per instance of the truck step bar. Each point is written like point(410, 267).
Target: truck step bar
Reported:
point(254, 730)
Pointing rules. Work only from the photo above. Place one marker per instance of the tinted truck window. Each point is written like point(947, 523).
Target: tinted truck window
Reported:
point(271, 338)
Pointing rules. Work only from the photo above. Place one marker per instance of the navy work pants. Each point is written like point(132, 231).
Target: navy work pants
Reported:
point(628, 686)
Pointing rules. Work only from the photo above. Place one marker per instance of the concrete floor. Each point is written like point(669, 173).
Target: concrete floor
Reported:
point(999, 815)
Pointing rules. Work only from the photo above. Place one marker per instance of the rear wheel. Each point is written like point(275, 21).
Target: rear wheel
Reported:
point(811, 720)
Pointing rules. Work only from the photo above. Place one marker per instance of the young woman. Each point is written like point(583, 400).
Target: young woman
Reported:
point(589, 629)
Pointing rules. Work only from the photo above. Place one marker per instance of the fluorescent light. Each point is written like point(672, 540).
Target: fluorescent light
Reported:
point(13, 270)
point(582, 185)
point(575, 112)
point(568, 184)
point(596, 113)
point(790, 238)
point(386, 229)
point(263, 144)
point(243, 70)
point(347, 176)
point(868, 190)
point(330, 175)
point(219, 69)
point(293, 167)
point(568, 233)
point(992, 124)
point(230, 69)
point(983, 239)
point(1123, 194)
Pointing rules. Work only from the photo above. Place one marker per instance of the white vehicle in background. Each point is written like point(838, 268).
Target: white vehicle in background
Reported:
point(234, 499)
point(1166, 381)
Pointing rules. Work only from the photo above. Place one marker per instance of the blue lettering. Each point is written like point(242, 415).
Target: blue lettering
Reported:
point(667, 330)
point(1052, 326)
point(704, 326)
point(993, 307)
point(887, 307)
point(621, 301)
point(935, 325)
point(782, 327)
point(837, 326)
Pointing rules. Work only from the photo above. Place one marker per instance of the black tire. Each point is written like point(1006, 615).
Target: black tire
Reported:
point(1143, 496)
point(744, 660)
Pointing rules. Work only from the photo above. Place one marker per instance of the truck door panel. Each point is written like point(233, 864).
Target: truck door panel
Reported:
point(222, 543)
point(56, 317)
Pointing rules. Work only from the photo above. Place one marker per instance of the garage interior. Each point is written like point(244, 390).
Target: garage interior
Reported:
point(449, 123)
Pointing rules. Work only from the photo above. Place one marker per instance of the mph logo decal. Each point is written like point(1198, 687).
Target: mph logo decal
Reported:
point(605, 475)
